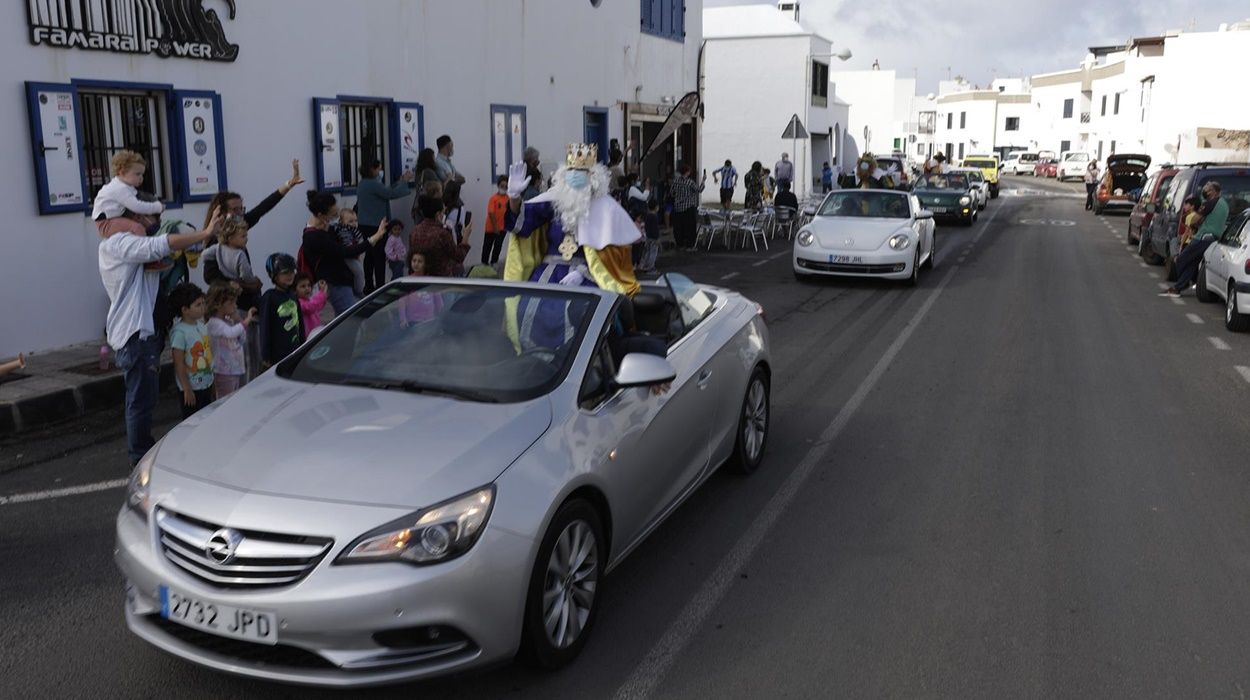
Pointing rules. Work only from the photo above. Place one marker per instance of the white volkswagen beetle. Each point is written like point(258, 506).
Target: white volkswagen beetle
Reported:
point(866, 233)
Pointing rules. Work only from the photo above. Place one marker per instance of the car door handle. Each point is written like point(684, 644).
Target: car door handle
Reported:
point(704, 377)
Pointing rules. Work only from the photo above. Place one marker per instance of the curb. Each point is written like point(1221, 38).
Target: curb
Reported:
point(41, 410)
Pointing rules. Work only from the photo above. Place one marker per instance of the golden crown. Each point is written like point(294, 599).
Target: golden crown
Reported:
point(581, 156)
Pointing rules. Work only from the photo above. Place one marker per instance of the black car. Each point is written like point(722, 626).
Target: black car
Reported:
point(1159, 244)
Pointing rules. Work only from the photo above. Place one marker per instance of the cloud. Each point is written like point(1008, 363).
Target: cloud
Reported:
point(986, 40)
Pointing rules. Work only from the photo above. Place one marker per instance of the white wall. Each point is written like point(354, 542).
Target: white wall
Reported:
point(872, 94)
point(553, 56)
point(1196, 86)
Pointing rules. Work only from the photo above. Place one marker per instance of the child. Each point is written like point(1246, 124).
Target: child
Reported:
point(651, 244)
point(1189, 212)
point(13, 365)
point(349, 234)
point(226, 332)
point(192, 348)
point(121, 194)
point(419, 306)
point(396, 248)
point(233, 262)
point(310, 304)
point(496, 210)
point(280, 328)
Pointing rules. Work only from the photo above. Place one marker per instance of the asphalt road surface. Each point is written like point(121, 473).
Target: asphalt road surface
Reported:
point(1026, 477)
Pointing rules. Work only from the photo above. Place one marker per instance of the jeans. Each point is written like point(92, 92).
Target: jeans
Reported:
point(492, 246)
point(375, 261)
point(1089, 195)
point(1187, 262)
point(140, 362)
point(397, 268)
point(341, 298)
point(685, 224)
point(650, 250)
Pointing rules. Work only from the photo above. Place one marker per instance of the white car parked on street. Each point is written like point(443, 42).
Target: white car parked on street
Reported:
point(1019, 162)
point(1072, 165)
point(1224, 272)
point(866, 233)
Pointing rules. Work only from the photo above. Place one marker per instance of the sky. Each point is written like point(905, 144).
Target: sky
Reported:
point(986, 40)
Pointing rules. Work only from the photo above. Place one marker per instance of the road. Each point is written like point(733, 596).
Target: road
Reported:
point(1025, 477)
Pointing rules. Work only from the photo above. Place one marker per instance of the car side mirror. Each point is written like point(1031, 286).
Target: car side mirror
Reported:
point(924, 214)
point(641, 369)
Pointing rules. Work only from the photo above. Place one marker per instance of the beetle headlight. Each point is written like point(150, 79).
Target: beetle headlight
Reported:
point(965, 200)
point(806, 238)
point(900, 241)
point(436, 534)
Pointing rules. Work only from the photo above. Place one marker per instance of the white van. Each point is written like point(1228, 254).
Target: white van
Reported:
point(1072, 165)
point(1019, 162)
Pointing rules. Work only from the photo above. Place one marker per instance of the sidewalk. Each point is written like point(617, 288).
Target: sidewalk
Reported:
point(63, 384)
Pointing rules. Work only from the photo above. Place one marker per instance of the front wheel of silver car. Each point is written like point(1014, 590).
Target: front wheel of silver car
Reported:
point(563, 597)
point(753, 422)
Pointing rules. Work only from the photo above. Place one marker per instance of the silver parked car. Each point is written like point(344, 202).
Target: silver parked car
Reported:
point(440, 479)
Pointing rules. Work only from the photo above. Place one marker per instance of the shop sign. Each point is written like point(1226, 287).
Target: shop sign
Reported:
point(166, 28)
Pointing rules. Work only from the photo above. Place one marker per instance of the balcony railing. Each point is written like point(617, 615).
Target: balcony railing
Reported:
point(1084, 117)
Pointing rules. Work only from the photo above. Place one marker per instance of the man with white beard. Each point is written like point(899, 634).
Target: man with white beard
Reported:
point(572, 234)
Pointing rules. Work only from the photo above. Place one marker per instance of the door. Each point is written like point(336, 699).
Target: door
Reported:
point(1228, 256)
point(595, 126)
point(507, 138)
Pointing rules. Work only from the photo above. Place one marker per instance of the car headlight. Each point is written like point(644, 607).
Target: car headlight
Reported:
point(900, 241)
point(429, 536)
point(138, 496)
point(806, 238)
point(965, 200)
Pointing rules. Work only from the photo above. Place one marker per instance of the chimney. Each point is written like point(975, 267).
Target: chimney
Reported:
point(789, 6)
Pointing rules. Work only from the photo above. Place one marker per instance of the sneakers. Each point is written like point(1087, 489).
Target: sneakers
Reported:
point(1171, 292)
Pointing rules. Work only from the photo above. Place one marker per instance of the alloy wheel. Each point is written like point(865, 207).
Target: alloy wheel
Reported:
point(571, 580)
point(754, 420)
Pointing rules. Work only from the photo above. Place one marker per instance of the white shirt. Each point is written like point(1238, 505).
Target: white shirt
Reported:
point(116, 197)
point(131, 289)
point(635, 193)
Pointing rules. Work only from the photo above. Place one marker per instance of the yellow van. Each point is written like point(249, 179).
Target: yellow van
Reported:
point(989, 167)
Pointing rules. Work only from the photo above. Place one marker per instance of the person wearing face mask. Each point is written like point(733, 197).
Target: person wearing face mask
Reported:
point(373, 206)
point(572, 234)
point(326, 256)
point(496, 217)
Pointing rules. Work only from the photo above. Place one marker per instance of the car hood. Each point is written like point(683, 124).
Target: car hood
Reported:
point(857, 234)
point(352, 444)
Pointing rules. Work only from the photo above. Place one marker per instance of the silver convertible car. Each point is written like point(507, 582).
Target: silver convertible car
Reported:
point(439, 480)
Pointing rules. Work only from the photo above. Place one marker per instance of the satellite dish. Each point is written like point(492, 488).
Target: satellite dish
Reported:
point(844, 55)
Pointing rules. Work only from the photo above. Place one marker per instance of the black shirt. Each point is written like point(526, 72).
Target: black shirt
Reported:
point(327, 256)
point(786, 199)
point(281, 325)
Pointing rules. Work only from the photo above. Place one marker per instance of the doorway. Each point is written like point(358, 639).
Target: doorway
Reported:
point(595, 125)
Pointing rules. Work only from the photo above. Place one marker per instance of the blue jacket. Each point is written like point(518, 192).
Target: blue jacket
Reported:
point(373, 200)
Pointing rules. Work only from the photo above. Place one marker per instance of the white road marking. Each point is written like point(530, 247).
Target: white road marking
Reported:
point(643, 680)
point(729, 276)
point(1154, 275)
point(61, 493)
point(1244, 372)
point(778, 255)
point(1194, 318)
point(1178, 301)
point(1143, 264)
point(1164, 285)
point(1219, 343)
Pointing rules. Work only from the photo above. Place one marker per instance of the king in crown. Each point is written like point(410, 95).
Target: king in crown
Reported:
point(572, 234)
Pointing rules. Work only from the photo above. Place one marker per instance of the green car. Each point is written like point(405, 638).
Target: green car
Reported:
point(949, 196)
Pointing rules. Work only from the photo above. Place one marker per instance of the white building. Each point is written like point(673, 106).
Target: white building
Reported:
point(973, 121)
point(238, 97)
point(762, 67)
point(880, 113)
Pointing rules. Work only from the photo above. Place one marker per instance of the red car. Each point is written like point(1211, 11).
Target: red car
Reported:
point(1151, 194)
point(1125, 175)
point(1046, 167)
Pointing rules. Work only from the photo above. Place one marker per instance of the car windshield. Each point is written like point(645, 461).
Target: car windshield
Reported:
point(974, 176)
point(1075, 157)
point(868, 204)
point(980, 164)
point(948, 181)
point(480, 343)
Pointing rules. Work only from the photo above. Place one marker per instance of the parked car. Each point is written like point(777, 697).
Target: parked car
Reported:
point(949, 196)
point(1144, 208)
point(898, 166)
point(422, 488)
point(979, 186)
point(989, 169)
point(1072, 165)
point(866, 233)
point(1160, 244)
point(1224, 273)
point(1020, 162)
point(1046, 167)
point(1125, 174)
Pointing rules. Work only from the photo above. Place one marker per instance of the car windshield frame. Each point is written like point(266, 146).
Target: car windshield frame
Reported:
point(980, 163)
point(845, 197)
point(926, 182)
point(411, 329)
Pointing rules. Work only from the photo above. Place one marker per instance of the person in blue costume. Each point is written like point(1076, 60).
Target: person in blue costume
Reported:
point(572, 234)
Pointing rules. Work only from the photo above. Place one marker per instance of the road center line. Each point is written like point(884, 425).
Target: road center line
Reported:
point(61, 493)
point(729, 276)
point(1178, 301)
point(642, 682)
point(1244, 372)
point(1194, 318)
point(1219, 343)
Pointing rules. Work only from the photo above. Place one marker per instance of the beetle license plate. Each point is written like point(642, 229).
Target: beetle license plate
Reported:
point(938, 210)
point(845, 259)
point(215, 618)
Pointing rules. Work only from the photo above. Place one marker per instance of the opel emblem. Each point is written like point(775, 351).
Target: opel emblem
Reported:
point(222, 544)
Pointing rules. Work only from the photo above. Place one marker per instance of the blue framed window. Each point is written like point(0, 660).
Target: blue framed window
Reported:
point(595, 130)
point(507, 138)
point(351, 131)
point(77, 128)
point(664, 18)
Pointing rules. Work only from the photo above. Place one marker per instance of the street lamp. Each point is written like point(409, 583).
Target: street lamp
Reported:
point(843, 55)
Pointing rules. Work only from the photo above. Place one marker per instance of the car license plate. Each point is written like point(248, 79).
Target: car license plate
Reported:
point(845, 259)
point(938, 210)
point(215, 618)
